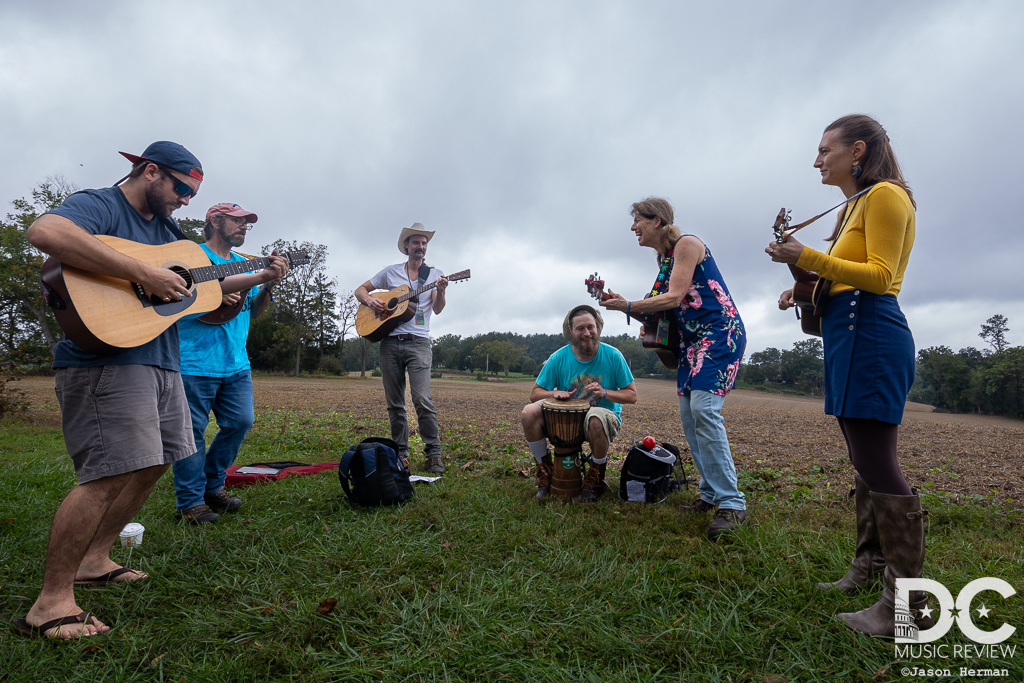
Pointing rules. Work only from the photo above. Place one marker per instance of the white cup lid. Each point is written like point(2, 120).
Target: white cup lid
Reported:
point(132, 529)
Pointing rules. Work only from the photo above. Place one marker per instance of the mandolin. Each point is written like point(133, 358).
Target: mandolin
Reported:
point(398, 309)
point(224, 312)
point(661, 328)
point(810, 292)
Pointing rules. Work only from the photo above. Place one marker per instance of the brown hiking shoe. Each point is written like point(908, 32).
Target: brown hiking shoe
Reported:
point(197, 514)
point(701, 506)
point(434, 464)
point(544, 477)
point(222, 501)
point(593, 483)
point(726, 521)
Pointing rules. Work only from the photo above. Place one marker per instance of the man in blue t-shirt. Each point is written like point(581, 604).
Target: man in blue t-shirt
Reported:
point(586, 369)
point(124, 416)
point(215, 372)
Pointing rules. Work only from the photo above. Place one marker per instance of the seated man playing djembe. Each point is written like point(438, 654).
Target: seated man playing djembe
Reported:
point(584, 377)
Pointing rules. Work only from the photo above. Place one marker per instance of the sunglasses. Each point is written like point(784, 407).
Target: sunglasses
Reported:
point(180, 187)
point(239, 221)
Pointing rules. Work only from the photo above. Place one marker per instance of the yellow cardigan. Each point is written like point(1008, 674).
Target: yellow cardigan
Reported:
point(872, 252)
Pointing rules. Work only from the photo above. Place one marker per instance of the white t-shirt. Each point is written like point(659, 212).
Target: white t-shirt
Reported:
point(395, 276)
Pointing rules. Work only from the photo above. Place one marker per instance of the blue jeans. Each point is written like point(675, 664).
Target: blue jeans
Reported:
point(397, 357)
point(230, 398)
point(701, 413)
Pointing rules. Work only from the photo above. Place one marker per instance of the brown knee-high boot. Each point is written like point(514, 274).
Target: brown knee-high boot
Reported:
point(901, 531)
point(544, 476)
point(868, 562)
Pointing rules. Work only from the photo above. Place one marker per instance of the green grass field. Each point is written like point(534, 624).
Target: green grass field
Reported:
point(472, 580)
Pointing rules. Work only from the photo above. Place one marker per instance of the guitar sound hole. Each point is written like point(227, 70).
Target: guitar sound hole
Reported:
point(392, 303)
point(185, 275)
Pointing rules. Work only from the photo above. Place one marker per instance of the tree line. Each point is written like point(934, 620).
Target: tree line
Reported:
point(310, 327)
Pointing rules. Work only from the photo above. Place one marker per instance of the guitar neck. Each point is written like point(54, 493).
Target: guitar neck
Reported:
point(454, 277)
point(216, 272)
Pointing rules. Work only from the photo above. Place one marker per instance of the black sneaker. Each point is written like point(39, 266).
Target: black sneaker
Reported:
point(222, 501)
point(196, 515)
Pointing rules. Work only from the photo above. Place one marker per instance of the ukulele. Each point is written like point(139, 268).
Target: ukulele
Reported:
point(661, 328)
point(398, 309)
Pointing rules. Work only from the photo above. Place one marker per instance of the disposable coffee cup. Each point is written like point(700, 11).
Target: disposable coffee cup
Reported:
point(131, 535)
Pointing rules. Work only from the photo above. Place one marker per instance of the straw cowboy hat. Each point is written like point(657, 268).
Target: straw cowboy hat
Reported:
point(415, 229)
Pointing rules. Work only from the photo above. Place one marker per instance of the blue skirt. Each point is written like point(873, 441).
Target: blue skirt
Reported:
point(869, 357)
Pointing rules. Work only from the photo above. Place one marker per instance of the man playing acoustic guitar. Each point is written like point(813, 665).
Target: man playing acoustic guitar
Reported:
point(124, 416)
point(407, 348)
point(215, 372)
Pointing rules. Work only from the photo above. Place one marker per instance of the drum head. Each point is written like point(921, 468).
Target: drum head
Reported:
point(569, 405)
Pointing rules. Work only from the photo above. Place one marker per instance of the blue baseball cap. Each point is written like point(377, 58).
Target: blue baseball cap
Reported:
point(172, 155)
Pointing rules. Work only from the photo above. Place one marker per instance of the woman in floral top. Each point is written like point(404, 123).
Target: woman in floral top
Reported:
point(690, 288)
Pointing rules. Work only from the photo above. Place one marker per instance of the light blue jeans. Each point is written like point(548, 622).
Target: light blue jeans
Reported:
point(204, 471)
point(701, 414)
point(398, 356)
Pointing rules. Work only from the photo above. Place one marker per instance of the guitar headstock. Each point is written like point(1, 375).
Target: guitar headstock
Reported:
point(781, 224)
point(297, 258)
point(461, 275)
point(595, 286)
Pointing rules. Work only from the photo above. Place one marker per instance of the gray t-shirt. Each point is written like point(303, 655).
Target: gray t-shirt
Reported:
point(395, 276)
point(108, 212)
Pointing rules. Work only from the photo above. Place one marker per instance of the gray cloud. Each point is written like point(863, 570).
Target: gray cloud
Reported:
point(522, 132)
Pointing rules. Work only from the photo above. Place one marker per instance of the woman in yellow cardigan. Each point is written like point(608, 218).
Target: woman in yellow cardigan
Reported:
point(869, 357)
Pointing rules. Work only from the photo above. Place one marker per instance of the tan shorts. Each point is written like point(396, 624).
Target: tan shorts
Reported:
point(123, 418)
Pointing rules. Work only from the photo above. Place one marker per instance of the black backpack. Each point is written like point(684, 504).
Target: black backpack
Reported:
point(372, 474)
point(647, 474)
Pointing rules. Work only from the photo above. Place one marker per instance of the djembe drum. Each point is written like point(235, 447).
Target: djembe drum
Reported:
point(565, 425)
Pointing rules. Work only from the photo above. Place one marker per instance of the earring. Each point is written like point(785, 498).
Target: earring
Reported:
point(856, 170)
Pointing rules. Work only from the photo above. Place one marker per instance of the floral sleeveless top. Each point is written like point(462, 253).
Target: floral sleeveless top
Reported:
point(711, 331)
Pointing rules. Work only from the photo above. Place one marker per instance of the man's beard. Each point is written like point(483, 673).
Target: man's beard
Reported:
point(588, 346)
point(157, 204)
point(234, 239)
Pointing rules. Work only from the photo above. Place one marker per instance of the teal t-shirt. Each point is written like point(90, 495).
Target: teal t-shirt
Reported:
point(563, 371)
point(216, 350)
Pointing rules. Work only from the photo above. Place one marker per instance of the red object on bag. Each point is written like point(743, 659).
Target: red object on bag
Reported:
point(233, 480)
point(649, 442)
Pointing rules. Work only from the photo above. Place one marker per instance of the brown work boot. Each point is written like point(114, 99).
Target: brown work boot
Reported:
point(901, 531)
point(544, 477)
point(727, 521)
point(593, 483)
point(197, 514)
point(868, 562)
point(701, 506)
point(222, 501)
point(435, 465)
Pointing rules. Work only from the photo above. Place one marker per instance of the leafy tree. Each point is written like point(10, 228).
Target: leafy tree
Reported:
point(193, 229)
point(348, 306)
point(994, 332)
point(28, 324)
point(304, 300)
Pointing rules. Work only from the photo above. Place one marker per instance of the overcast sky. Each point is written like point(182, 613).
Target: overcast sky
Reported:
point(523, 131)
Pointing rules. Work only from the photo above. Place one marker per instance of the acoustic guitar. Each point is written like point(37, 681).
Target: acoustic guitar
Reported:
point(810, 292)
point(398, 309)
point(104, 314)
point(224, 312)
point(661, 328)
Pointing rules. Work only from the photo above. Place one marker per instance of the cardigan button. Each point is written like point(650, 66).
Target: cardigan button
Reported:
point(851, 328)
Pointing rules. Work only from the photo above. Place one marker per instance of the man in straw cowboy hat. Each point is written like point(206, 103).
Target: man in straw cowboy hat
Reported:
point(589, 369)
point(407, 349)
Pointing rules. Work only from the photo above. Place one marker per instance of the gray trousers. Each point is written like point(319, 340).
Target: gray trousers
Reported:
point(396, 358)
